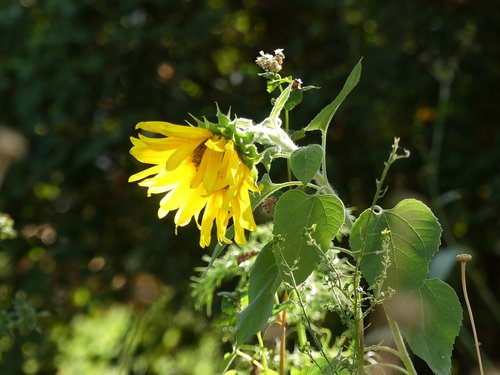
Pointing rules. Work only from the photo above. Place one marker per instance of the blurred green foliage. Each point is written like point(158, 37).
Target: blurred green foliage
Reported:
point(75, 77)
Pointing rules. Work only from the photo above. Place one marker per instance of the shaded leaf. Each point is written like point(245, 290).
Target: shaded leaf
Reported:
point(435, 319)
point(294, 99)
point(263, 282)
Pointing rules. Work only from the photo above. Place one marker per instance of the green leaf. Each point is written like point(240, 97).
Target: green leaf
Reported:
point(263, 282)
point(297, 213)
point(430, 319)
point(269, 372)
point(277, 81)
point(267, 157)
point(267, 188)
point(294, 99)
point(414, 238)
point(305, 162)
point(264, 277)
point(324, 117)
point(280, 103)
point(298, 134)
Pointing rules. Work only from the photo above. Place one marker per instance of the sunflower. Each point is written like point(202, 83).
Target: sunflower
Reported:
point(197, 171)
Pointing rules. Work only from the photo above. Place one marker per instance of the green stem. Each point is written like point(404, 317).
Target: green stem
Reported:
point(398, 339)
point(323, 146)
point(230, 362)
point(301, 334)
point(287, 130)
point(306, 317)
point(358, 294)
point(249, 359)
point(380, 348)
point(262, 351)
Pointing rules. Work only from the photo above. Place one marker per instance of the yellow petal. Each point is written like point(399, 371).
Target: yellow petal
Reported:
point(201, 171)
point(182, 153)
point(145, 173)
point(175, 198)
point(217, 144)
point(149, 156)
point(186, 212)
point(211, 210)
point(160, 144)
point(213, 160)
point(168, 180)
point(173, 130)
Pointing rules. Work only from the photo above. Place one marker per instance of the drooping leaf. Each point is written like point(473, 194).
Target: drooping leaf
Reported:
point(297, 213)
point(263, 282)
point(430, 319)
point(414, 238)
point(264, 276)
point(305, 162)
point(294, 99)
point(324, 117)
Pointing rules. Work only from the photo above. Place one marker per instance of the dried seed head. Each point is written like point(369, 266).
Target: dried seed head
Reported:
point(271, 63)
point(464, 257)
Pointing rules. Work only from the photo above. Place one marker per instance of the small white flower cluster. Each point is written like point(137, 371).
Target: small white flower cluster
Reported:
point(271, 63)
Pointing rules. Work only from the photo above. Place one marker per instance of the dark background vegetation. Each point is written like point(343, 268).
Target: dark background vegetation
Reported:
point(76, 76)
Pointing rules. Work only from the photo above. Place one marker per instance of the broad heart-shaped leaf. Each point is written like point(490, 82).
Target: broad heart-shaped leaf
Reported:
point(295, 214)
point(414, 238)
point(430, 319)
point(323, 118)
point(263, 282)
point(305, 162)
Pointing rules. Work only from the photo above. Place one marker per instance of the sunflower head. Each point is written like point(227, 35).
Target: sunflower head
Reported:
point(238, 130)
point(204, 173)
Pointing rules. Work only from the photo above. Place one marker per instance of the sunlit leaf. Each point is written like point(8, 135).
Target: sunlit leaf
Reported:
point(280, 103)
point(414, 238)
point(296, 214)
point(324, 117)
point(305, 162)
